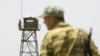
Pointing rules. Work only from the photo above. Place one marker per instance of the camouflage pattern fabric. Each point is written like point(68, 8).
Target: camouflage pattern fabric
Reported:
point(58, 40)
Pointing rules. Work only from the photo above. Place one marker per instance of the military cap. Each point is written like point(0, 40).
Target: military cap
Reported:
point(53, 10)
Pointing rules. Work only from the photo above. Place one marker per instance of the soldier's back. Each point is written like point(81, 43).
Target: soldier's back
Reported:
point(62, 39)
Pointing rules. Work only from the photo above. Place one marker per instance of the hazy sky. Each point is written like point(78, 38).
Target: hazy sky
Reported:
point(79, 13)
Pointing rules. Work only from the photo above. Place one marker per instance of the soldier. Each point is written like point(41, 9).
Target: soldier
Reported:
point(62, 38)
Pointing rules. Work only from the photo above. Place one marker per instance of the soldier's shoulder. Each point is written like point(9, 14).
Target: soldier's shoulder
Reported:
point(63, 30)
point(83, 31)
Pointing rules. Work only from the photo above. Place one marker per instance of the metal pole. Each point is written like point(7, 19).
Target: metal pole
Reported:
point(36, 44)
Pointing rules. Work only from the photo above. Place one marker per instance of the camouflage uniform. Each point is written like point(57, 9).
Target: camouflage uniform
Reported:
point(58, 40)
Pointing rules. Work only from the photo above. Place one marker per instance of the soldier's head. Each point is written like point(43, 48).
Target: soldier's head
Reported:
point(52, 15)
